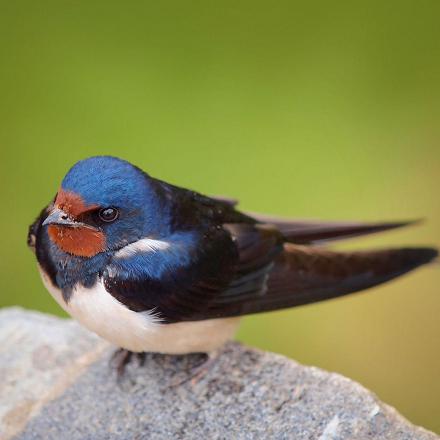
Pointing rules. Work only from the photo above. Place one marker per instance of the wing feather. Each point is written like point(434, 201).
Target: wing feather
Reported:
point(238, 264)
point(302, 275)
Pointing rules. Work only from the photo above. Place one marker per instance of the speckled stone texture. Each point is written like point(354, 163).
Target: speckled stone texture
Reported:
point(57, 384)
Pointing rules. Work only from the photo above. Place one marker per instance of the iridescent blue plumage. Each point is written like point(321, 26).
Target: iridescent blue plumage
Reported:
point(108, 181)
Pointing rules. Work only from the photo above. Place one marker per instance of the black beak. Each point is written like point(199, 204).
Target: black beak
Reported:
point(59, 217)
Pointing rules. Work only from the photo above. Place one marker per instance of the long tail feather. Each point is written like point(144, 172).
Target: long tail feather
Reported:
point(318, 232)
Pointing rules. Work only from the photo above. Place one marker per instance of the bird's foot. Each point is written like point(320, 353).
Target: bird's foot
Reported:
point(122, 357)
point(198, 371)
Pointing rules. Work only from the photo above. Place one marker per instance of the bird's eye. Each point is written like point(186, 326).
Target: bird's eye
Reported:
point(108, 214)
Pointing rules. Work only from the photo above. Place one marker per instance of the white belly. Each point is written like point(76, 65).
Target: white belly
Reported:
point(104, 315)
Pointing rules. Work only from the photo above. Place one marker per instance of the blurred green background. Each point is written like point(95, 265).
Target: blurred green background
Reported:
point(312, 109)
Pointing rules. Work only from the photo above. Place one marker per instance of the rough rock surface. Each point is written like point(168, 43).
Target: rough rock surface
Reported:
point(57, 384)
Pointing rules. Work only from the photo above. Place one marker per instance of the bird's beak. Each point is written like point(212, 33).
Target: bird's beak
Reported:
point(59, 217)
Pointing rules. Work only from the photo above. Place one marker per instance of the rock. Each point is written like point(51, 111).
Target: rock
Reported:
point(57, 384)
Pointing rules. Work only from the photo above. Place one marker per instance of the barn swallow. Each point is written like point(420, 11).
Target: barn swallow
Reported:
point(153, 267)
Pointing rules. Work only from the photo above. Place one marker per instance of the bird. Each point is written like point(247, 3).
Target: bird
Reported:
point(153, 267)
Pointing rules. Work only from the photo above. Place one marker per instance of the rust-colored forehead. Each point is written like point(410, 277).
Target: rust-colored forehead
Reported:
point(72, 203)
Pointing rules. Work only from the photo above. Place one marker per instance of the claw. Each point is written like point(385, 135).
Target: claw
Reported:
point(197, 372)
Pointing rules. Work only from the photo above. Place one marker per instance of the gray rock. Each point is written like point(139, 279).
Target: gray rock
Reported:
point(57, 384)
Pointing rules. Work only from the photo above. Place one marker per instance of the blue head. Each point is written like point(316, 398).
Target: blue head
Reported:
point(103, 204)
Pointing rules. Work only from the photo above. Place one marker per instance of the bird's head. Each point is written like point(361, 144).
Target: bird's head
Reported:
point(103, 204)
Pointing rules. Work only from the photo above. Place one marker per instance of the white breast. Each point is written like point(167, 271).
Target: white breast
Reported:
point(104, 315)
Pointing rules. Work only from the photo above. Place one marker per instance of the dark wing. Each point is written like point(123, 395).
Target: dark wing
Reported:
point(302, 275)
point(232, 264)
point(242, 269)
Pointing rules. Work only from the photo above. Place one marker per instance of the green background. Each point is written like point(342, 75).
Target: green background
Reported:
point(313, 109)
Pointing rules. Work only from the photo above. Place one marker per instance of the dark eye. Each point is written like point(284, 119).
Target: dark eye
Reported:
point(108, 214)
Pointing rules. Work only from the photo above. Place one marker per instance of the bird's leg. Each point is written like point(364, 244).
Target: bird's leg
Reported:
point(197, 372)
point(120, 359)
point(141, 358)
